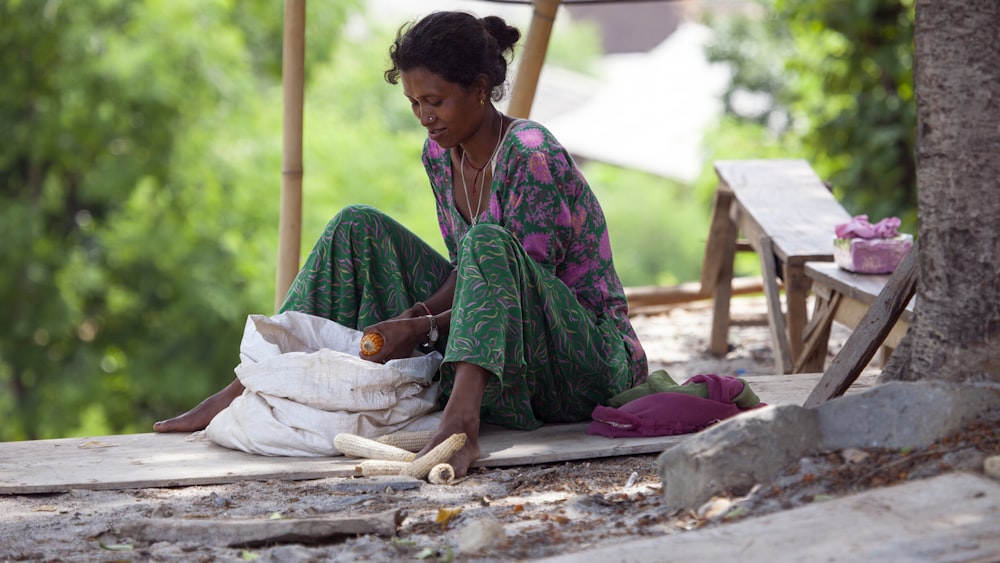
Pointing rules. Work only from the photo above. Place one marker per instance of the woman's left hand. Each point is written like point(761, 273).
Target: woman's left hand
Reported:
point(399, 338)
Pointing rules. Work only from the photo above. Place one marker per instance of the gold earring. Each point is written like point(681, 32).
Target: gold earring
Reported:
point(482, 102)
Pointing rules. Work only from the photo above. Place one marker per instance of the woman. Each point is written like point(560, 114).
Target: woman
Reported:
point(529, 311)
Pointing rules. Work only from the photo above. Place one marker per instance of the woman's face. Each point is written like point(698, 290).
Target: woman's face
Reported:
point(450, 113)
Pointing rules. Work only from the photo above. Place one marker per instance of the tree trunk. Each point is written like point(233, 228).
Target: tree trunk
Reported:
point(956, 336)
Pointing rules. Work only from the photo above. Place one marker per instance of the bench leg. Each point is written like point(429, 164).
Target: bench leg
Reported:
point(719, 343)
point(797, 285)
point(870, 333)
point(717, 269)
point(776, 319)
point(817, 336)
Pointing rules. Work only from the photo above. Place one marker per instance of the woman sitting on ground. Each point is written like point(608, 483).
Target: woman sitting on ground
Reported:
point(529, 311)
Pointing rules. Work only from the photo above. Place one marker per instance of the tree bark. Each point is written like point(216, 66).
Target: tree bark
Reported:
point(956, 336)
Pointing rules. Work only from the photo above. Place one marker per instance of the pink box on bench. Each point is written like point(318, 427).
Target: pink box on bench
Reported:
point(871, 256)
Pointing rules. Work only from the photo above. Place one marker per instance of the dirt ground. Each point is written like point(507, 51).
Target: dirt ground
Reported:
point(517, 513)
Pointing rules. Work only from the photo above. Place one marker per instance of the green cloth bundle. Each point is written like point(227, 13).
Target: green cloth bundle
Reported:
point(660, 382)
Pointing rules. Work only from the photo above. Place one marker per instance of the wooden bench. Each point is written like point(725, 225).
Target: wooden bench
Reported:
point(787, 216)
point(844, 297)
point(876, 325)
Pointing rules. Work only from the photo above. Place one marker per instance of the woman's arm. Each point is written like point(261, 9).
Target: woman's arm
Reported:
point(440, 301)
point(410, 329)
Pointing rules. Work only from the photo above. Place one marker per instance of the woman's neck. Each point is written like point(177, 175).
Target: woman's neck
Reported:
point(479, 149)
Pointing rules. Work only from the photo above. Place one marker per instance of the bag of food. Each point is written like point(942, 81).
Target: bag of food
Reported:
point(305, 384)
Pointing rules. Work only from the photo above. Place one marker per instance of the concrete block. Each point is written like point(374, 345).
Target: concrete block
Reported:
point(903, 414)
point(736, 454)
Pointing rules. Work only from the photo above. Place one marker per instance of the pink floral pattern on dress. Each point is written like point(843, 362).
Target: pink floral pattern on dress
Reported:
point(531, 138)
point(540, 195)
point(540, 168)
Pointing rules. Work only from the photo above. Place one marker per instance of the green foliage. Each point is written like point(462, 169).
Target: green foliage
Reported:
point(658, 227)
point(131, 185)
point(362, 143)
point(574, 46)
point(834, 82)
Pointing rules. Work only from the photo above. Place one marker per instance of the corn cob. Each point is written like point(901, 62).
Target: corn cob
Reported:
point(441, 474)
point(409, 441)
point(373, 467)
point(371, 343)
point(356, 446)
point(441, 453)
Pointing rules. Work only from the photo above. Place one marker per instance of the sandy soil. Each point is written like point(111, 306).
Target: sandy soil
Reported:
point(492, 515)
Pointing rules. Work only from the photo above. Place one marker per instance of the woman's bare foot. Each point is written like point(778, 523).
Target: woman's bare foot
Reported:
point(461, 414)
point(464, 457)
point(199, 417)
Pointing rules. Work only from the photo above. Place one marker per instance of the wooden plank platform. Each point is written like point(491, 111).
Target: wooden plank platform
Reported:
point(131, 461)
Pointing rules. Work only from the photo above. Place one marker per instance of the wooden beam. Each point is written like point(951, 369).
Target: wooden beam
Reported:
point(533, 57)
point(239, 533)
point(293, 88)
point(653, 296)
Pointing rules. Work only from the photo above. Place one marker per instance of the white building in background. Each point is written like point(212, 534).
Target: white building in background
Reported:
point(644, 110)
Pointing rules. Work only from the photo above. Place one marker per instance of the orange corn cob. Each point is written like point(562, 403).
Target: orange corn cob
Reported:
point(371, 343)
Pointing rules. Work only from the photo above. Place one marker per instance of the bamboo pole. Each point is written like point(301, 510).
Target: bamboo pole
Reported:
point(535, 46)
point(293, 85)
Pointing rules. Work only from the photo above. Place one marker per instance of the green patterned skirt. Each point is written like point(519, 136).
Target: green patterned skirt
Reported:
point(551, 358)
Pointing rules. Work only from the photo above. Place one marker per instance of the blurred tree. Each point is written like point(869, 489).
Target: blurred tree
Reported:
point(131, 235)
point(139, 190)
point(831, 82)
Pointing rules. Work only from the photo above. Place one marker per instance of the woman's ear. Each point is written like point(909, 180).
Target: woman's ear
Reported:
point(482, 87)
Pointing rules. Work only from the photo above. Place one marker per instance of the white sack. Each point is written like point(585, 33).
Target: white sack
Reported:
point(305, 384)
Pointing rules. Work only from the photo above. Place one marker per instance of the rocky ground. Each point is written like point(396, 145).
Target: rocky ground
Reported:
point(518, 513)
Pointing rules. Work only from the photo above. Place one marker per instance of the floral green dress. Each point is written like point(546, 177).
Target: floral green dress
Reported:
point(537, 302)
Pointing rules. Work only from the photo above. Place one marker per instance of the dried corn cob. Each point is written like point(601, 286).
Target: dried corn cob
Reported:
point(441, 474)
point(441, 453)
point(356, 446)
point(371, 343)
point(409, 441)
point(373, 467)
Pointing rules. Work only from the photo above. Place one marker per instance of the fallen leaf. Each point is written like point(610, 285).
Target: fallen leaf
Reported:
point(115, 546)
point(445, 515)
point(249, 555)
point(736, 513)
point(632, 479)
point(95, 444)
point(404, 543)
point(852, 455)
point(111, 542)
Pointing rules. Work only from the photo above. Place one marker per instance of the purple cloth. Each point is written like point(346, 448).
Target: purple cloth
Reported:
point(669, 413)
point(859, 227)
